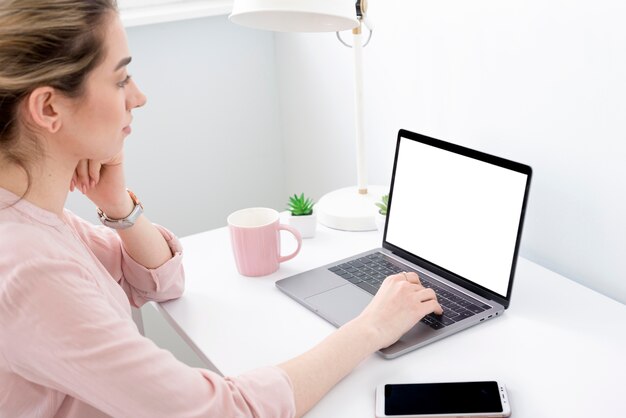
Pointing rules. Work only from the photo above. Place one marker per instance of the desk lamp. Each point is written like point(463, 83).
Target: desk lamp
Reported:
point(351, 208)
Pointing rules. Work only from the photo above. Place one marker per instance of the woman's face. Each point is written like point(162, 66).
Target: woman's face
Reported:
point(100, 119)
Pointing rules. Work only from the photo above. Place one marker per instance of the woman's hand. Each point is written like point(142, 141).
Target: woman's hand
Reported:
point(104, 184)
point(400, 302)
point(398, 305)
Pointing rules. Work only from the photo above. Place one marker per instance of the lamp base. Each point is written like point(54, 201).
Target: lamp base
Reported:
point(347, 210)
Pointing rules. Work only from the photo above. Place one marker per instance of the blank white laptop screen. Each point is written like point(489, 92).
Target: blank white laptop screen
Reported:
point(456, 212)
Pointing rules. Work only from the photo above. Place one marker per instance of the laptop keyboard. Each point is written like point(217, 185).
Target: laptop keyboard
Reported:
point(368, 273)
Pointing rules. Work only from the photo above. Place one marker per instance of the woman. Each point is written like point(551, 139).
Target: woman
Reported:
point(68, 346)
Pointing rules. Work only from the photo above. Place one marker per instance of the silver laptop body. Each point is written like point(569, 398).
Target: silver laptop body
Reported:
point(455, 217)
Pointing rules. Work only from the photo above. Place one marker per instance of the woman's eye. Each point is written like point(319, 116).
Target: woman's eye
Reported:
point(124, 82)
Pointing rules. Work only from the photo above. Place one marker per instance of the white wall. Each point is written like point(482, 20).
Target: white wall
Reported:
point(541, 82)
point(208, 141)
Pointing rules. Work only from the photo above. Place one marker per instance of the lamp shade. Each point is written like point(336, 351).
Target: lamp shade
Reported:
point(296, 15)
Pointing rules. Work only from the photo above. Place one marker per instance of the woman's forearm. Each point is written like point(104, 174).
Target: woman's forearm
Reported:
point(145, 244)
point(315, 372)
point(142, 241)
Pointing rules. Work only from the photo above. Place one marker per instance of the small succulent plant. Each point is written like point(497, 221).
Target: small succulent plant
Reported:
point(382, 205)
point(300, 205)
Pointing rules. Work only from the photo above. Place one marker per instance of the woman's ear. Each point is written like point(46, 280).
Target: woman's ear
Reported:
point(43, 107)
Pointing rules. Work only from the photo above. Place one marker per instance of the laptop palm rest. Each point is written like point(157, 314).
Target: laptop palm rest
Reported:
point(339, 305)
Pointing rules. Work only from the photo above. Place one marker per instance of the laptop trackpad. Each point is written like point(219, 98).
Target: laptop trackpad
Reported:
point(341, 304)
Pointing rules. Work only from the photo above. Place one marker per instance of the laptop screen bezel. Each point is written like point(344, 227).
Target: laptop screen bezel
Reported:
point(438, 270)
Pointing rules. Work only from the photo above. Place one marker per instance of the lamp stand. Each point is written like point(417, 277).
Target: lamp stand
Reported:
point(353, 208)
point(348, 210)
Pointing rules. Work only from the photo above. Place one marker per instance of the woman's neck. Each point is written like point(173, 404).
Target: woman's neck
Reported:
point(49, 183)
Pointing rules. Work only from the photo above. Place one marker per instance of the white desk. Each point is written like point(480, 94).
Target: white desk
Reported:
point(560, 348)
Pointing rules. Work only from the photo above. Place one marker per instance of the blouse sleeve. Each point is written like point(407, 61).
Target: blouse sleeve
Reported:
point(140, 283)
point(57, 330)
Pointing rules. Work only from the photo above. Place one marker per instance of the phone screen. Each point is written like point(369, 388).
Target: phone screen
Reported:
point(442, 398)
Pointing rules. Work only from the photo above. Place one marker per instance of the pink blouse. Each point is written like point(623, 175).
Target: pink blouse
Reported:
point(69, 347)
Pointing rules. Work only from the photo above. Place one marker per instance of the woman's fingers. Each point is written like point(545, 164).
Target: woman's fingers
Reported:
point(412, 277)
point(86, 175)
point(428, 298)
point(82, 175)
point(94, 172)
point(432, 306)
point(425, 294)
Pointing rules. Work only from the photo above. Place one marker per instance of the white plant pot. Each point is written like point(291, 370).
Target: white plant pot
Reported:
point(380, 221)
point(307, 224)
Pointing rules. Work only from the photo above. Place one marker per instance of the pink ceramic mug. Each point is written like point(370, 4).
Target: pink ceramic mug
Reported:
point(255, 237)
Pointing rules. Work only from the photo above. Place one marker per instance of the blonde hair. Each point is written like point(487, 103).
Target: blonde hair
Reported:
point(52, 43)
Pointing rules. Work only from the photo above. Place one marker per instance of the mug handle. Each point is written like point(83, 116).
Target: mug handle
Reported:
point(298, 237)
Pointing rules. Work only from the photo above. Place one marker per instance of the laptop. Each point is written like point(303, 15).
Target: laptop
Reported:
point(455, 217)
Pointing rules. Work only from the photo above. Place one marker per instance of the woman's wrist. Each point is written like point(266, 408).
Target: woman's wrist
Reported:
point(367, 334)
point(118, 208)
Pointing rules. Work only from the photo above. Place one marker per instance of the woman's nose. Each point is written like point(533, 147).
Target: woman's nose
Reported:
point(137, 99)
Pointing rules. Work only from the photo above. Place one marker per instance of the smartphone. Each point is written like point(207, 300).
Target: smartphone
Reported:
point(449, 399)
